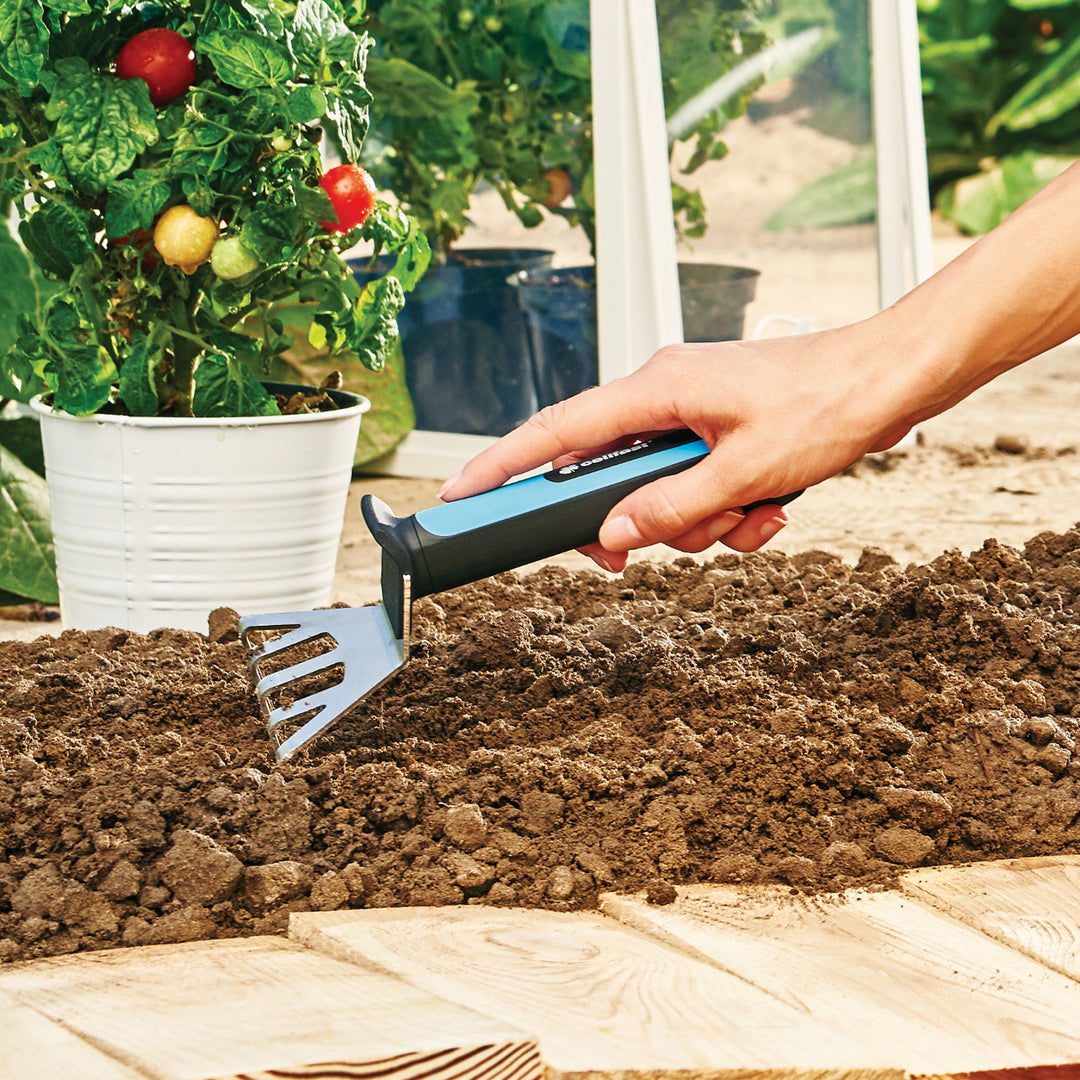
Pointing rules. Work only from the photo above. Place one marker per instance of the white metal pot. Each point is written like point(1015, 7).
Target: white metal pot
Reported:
point(157, 521)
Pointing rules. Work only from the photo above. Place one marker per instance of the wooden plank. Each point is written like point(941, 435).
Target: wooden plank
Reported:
point(237, 1007)
point(930, 995)
point(1030, 904)
point(32, 1045)
point(602, 999)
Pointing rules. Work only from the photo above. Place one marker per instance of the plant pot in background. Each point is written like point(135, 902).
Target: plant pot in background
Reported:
point(560, 311)
point(159, 520)
point(464, 344)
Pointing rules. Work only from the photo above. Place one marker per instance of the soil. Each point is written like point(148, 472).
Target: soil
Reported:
point(764, 718)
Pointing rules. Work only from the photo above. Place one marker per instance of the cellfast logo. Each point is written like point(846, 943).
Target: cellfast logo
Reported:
point(600, 459)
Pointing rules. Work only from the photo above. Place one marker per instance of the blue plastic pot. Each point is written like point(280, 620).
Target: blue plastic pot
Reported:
point(463, 339)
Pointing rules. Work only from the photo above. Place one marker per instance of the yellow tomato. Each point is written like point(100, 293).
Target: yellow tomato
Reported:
point(183, 239)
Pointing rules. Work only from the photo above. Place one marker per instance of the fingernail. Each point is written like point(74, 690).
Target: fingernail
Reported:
point(603, 563)
point(621, 534)
point(722, 525)
point(772, 527)
point(448, 484)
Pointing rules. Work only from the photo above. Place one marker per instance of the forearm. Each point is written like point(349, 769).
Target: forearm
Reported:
point(1012, 295)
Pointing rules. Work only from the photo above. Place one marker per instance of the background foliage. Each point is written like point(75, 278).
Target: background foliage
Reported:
point(1001, 86)
point(499, 92)
point(1000, 89)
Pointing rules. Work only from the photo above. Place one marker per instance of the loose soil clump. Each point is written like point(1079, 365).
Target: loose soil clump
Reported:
point(756, 718)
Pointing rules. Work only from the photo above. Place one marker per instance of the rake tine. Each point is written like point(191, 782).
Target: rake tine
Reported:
point(312, 666)
point(297, 635)
point(321, 699)
point(302, 736)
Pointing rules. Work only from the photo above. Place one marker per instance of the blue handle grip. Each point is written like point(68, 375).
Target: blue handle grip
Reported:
point(523, 521)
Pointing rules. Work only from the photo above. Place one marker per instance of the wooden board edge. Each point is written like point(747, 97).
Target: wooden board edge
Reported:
point(741, 1074)
point(1026, 862)
point(517, 1060)
point(1020, 1072)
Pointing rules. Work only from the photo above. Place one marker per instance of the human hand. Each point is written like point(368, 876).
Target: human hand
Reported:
point(779, 415)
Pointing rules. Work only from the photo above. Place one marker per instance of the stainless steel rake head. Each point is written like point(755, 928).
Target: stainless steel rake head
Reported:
point(367, 644)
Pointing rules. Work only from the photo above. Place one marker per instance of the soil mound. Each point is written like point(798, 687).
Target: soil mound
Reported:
point(756, 718)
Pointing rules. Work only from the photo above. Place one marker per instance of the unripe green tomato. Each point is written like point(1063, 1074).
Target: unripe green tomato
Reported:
point(231, 259)
point(493, 24)
point(281, 143)
point(184, 239)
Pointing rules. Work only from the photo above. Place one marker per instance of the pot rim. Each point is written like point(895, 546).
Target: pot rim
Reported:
point(362, 405)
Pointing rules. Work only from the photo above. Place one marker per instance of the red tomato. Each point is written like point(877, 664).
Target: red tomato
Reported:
point(352, 191)
point(162, 59)
point(143, 241)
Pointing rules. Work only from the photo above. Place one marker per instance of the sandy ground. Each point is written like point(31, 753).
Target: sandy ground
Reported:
point(952, 490)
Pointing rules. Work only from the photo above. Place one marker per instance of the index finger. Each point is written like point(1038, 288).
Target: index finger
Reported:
point(599, 415)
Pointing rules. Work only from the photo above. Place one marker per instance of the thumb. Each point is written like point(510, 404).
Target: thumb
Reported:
point(662, 510)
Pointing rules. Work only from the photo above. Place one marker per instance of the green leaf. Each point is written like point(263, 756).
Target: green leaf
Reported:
point(134, 202)
point(102, 123)
point(320, 36)
point(138, 388)
point(305, 104)
point(347, 110)
point(314, 204)
point(978, 203)
point(416, 93)
point(22, 369)
point(27, 562)
point(24, 43)
point(22, 291)
point(371, 329)
point(83, 376)
point(246, 60)
point(59, 238)
point(22, 437)
point(225, 387)
point(1051, 93)
point(845, 196)
point(79, 369)
point(413, 259)
point(271, 231)
point(566, 30)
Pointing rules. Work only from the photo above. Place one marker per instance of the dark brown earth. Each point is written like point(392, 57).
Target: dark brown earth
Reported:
point(757, 718)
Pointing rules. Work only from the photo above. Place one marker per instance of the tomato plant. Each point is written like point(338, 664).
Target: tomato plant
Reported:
point(352, 193)
point(499, 92)
point(121, 202)
point(163, 59)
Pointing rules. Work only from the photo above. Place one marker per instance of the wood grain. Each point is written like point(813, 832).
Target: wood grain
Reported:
point(36, 1047)
point(1030, 904)
point(602, 999)
point(233, 1008)
point(905, 985)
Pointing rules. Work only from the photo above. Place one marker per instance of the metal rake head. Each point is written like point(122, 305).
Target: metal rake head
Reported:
point(360, 641)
